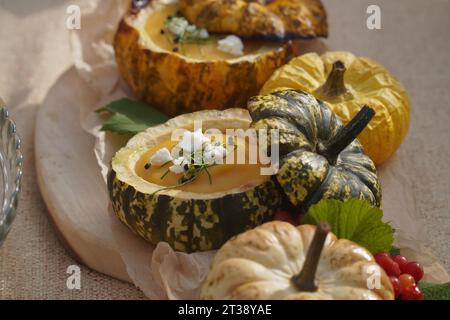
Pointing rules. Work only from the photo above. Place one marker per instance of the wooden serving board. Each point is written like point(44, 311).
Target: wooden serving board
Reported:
point(76, 196)
point(70, 179)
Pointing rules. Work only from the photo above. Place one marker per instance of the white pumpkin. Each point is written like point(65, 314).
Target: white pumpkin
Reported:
point(273, 261)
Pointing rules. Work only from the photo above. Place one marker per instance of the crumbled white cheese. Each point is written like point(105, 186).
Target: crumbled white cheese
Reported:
point(179, 165)
point(176, 152)
point(161, 157)
point(196, 157)
point(214, 154)
point(191, 28)
point(230, 140)
point(180, 27)
point(177, 25)
point(203, 34)
point(232, 45)
point(193, 141)
point(194, 148)
point(176, 169)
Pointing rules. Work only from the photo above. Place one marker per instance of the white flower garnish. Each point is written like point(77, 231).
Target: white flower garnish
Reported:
point(179, 165)
point(161, 157)
point(232, 45)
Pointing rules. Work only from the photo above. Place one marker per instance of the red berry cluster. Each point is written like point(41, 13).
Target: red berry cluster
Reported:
point(404, 275)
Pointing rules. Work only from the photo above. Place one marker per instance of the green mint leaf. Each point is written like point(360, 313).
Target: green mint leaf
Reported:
point(355, 220)
point(130, 116)
point(432, 291)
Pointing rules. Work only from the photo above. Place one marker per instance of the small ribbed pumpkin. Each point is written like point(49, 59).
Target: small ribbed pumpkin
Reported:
point(347, 82)
point(187, 221)
point(277, 261)
point(320, 158)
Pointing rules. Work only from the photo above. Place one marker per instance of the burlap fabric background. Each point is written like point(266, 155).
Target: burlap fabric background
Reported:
point(34, 50)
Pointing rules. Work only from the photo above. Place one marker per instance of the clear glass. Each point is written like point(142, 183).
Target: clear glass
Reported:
point(11, 164)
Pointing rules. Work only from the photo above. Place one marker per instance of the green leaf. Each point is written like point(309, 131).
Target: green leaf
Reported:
point(432, 291)
point(122, 124)
point(394, 251)
point(130, 116)
point(354, 220)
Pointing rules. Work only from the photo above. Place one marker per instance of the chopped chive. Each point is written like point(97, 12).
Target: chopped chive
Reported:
point(165, 174)
point(166, 163)
point(209, 175)
point(184, 179)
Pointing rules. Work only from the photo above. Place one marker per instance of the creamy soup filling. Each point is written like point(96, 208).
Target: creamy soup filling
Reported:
point(167, 30)
point(160, 166)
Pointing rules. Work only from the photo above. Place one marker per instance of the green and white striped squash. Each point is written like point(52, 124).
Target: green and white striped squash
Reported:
point(187, 221)
point(319, 157)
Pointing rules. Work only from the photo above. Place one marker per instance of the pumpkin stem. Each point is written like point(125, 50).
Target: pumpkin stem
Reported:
point(347, 134)
point(334, 86)
point(306, 279)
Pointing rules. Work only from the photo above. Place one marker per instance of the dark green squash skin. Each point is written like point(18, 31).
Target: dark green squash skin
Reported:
point(305, 125)
point(190, 225)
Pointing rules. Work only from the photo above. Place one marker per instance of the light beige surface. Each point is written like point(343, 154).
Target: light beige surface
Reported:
point(34, 51)
point(414, 44)
point(60, 143)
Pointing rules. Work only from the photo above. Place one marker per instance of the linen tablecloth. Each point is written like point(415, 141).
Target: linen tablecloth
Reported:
point(413, 43)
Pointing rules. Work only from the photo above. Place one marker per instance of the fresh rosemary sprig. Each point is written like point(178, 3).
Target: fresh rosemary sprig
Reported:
point(167, 171)
point(188, 177)
point(209, 175)
point(171, 187)
point(165, 174)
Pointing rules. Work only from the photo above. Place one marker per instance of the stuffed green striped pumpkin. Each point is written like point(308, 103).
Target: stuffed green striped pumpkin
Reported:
point(187, 221)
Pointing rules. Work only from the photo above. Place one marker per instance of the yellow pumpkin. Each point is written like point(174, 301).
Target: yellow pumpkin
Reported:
point(347, 82)
point(278, 261)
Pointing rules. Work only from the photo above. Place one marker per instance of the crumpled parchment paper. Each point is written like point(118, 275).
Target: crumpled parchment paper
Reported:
point(160, 271)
